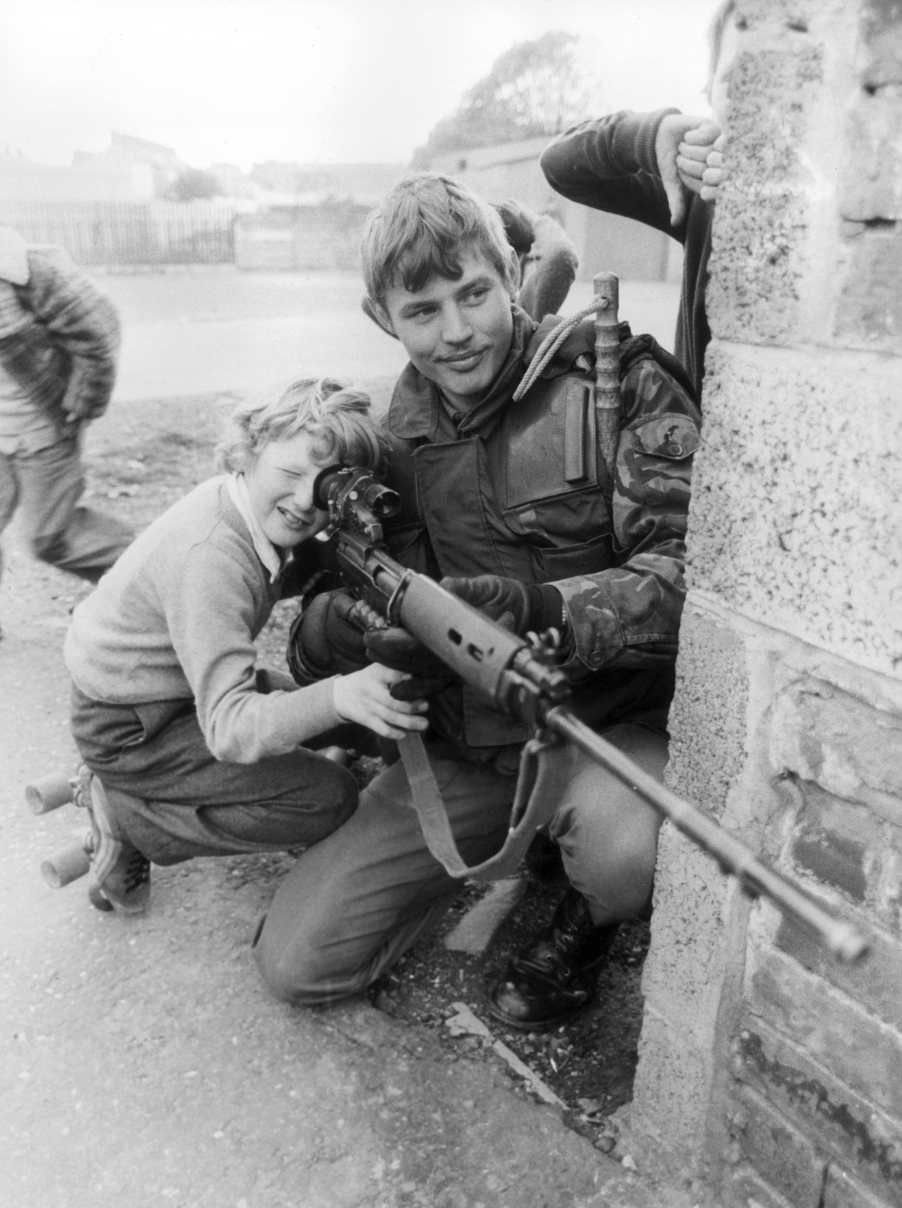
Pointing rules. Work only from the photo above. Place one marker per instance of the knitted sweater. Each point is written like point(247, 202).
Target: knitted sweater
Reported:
point(58, 342)
point(177, 617)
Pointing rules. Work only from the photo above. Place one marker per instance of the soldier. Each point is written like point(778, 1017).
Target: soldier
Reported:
point(489, 509)
point(664, 169)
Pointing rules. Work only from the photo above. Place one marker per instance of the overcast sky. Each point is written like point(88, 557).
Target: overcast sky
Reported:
point(242, 81)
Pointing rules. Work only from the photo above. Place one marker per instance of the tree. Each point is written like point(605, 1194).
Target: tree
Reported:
point(536, 88)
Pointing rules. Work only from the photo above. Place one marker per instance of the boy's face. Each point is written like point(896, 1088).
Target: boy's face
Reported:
point(457, 333)
point(280, 484)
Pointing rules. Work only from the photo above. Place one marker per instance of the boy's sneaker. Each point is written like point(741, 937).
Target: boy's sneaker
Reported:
point(121, 872)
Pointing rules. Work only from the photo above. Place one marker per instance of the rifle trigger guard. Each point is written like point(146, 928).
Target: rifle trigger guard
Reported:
point(395, 597)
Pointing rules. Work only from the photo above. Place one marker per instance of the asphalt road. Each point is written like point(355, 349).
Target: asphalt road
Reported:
point(195, 332)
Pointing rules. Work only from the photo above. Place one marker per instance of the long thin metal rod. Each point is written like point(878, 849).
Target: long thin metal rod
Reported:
point(843, 939)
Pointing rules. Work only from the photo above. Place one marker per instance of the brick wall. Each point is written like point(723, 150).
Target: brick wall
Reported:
point(768, 1069)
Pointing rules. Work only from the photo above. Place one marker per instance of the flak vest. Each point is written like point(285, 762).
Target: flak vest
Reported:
point(530, 501)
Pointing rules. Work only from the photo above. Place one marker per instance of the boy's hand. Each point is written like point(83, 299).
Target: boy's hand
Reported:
point(672, 131)
point(713, 173)
point(693, 152)
point(365, 697)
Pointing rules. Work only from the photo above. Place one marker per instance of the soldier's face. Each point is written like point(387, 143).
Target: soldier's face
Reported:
point(457, 333)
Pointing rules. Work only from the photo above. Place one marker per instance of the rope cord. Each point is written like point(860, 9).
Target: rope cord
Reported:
point(552, 343)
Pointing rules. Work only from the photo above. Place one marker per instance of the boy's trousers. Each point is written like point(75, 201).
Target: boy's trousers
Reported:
point(355, 902)
point(173, 800)
point(46, 487)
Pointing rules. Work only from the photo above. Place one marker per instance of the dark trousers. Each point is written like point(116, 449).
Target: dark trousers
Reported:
point(174, 800)
point(46, 487)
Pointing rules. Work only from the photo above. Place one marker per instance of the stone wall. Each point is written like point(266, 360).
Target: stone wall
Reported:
point(767, 1068)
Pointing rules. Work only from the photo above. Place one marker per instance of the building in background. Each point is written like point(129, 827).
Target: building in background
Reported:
point(309, 216)
point(128, 153)
point(605, 242)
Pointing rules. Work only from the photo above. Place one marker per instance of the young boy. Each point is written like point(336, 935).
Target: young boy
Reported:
point(663, 169)
point(487, 501)
point(190, 758)
point(58, 342)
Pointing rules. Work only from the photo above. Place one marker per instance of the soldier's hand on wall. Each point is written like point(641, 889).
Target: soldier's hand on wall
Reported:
point(713, 173)
point(693, 152)
point(672, 131)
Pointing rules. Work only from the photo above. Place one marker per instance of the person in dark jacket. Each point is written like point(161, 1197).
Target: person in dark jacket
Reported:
point(664, 169)
point(59, 338)
point(492, 507)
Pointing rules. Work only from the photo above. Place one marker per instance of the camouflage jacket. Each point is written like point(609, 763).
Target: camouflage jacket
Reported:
point(58, 334)
point(500, 494)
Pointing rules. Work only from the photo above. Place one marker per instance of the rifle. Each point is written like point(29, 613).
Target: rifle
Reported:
point(518, 676)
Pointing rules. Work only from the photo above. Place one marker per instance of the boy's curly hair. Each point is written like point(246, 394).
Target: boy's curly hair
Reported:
point(335, 413)
point(423, 228)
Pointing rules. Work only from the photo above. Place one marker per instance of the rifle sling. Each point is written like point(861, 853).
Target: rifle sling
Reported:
point(535, 800)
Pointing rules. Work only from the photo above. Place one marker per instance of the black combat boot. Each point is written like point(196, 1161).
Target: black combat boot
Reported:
point(557, 974)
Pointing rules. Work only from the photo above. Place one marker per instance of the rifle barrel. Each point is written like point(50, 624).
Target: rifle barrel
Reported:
point(843, 939)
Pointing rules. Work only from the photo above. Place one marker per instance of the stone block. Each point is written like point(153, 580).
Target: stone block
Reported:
point(707, 721)
point(797, 492)
point(869, 306)
point(763, 211)
point(874, 981)
point(848, 1128)
point(871, 189)
point(836, 1032)
point(835, 840)
point(671, 1093)
point(881, 44)
point(685, 964)
point(847, 746)
point(787, 1159)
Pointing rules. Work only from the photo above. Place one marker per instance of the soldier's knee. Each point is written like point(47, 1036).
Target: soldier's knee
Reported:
point(294, 974)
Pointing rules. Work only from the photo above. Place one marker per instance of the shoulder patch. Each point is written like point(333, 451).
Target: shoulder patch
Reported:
point(669, 435)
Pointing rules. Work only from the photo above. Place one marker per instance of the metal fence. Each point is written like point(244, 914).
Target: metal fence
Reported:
point(125, 233)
